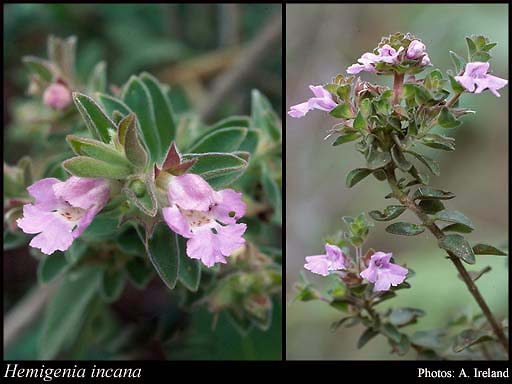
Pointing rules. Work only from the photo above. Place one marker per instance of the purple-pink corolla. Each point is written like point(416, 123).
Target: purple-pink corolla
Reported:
point(57, 96)
point(386, 54)
point(322, 100)
point(207, 218)
point(333, 260)
point(62, 210)
point(475, 79)
point(383, 273)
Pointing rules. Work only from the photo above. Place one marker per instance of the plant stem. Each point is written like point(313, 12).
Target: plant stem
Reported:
point(453, 99)
point(397, 87)
point(438, 233)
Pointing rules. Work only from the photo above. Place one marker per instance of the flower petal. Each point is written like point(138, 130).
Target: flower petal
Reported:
point(230, 238)
point(299, 110)
point(204, 245)
point(83, 192)
point(190, 191)
point(229, 206)
point(317, 264)
point(176, 221)
point(42, 192)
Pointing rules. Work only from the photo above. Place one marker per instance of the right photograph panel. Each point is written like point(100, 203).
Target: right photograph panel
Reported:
point(397, 182)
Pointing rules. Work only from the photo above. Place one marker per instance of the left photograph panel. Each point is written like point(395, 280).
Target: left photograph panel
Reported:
point(142, 182)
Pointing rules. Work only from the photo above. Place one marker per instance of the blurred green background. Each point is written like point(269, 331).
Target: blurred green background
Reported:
point(316, 195)
point(189, 47)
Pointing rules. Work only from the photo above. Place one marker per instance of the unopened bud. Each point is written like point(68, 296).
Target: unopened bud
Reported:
point(57, 96)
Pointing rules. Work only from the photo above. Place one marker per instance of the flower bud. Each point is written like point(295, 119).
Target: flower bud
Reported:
point(415, 50)
point(57, 96)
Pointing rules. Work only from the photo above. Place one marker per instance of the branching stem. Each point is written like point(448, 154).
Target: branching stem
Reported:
point(438, 233)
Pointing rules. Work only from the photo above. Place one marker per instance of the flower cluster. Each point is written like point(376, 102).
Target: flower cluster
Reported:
point(380, 271)
point(389, 55)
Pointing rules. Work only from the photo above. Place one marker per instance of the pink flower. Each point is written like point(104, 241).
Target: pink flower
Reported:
point(387, 54)
point(62, 210)
point(322, 100)
point(57, 96)
point(475, 79)
point(206, 217)
point(415, 50)
point(333, 260)
point(382, 273)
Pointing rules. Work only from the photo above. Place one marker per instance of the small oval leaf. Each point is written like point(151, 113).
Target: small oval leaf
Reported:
point(405, 229)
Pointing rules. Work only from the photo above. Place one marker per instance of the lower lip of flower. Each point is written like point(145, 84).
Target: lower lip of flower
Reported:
point(197, 219)
point(71, 214)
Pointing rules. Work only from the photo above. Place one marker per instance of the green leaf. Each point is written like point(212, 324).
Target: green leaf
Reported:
point(345, 138)
point(356, 175)
point(401, 347)
point(447, 119)
point(273, 193)
point(427, 193)
point(378, 159)
point(457, 245)
point(431, 206)
point(342, 111)
point(481, 56)
point(164, 253)
point(103, 227)
point(399, 159)
point(129, 137)
point(431, 164)
point(366, 108)
point(97, 81)
point(142, 193)
point(405, 229)
point(455, 84)
point(433, 140)
point(96, 150)
point(66, 311)
point(454, 217)
point(469, 337)
point(353, 321)
point(189, 273)
point(460, 228)
point(112, 284)
point(475, 275)
point(429, 339)
point(219, 169)
point(367, 335)
point(130, 243)
point(403, 316)
point(458, 62)
point(421, 94)
point(263, 117)
point(82, 166)
point(232, 121)
point(486, 249)
point(390, 212)
point(76, 252)
point(250, 143)
point(51, 266)
point(471, 47)
point(139, 272)
point(112, 104)
point(164, 115)
point(221, 140)
point(39, 67)
point(359, 122)
point(96, 120)
point(136, 95)
point(391, 332)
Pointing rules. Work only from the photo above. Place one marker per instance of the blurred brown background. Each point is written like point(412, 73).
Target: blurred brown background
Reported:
point(322, 41)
